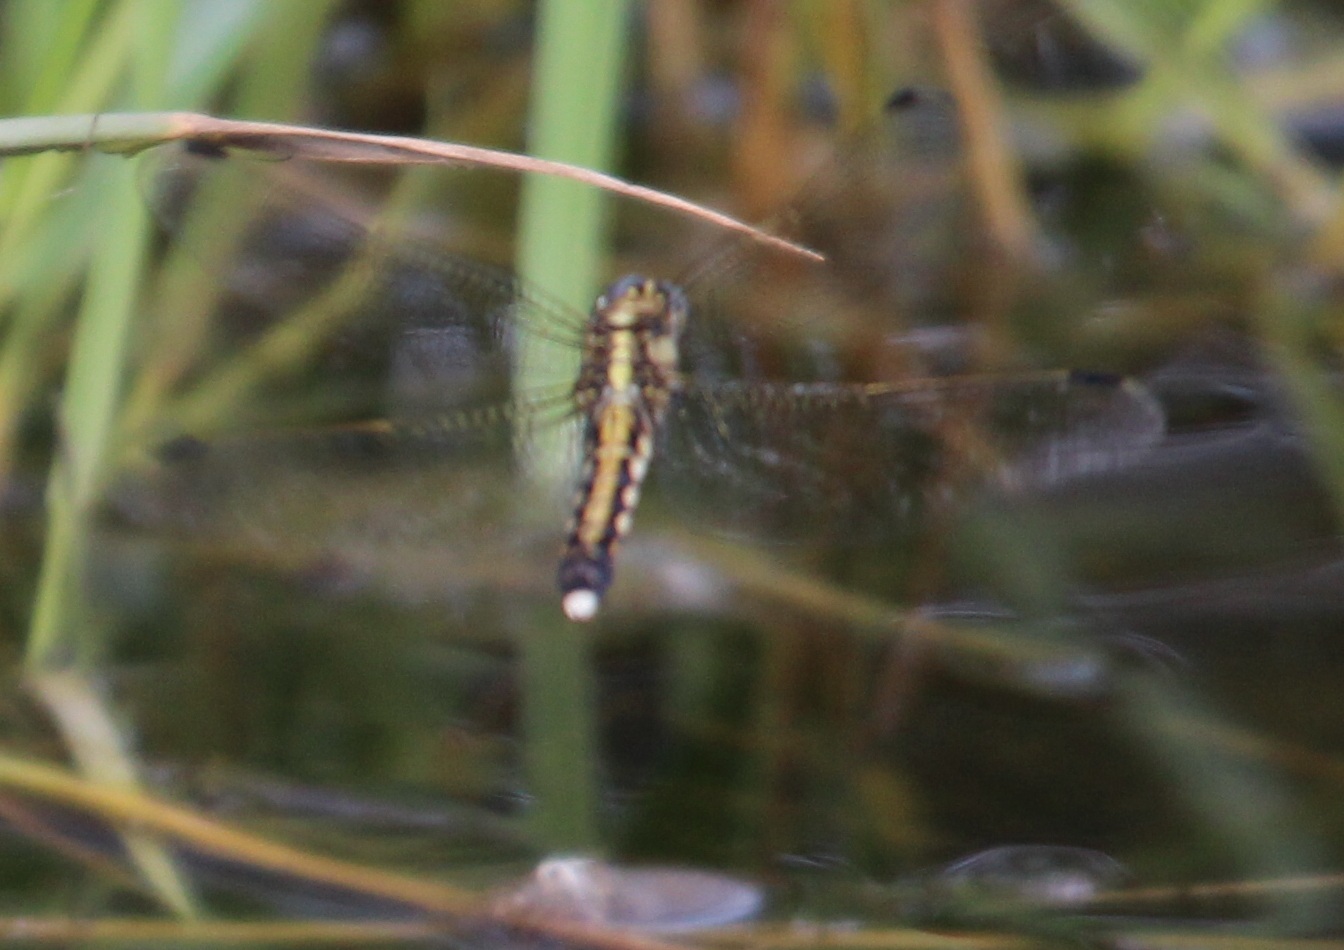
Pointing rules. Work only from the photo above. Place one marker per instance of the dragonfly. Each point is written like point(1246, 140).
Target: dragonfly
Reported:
point(734, 390)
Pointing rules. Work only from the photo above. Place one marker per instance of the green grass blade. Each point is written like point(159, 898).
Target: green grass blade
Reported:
point(576, 98)
point(131, 58)
point(53, 42)
point(65, 637)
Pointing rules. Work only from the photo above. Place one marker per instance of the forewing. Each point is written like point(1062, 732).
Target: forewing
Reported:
point(790, 461)
point(382, 297)
point(895, 222)
point(416, 442)
point(778, 431)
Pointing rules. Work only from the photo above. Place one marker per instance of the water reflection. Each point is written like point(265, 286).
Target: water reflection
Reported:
point(654, 899)
point(1010, 879)
point(1049, 875)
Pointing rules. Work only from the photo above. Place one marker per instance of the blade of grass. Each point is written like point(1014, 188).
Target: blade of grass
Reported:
point(38, 73)
point(1185, 48)
point(576, 96)
point(1250, 811)
point(122, 806)
point(212, 39)
point(97, 742)
point(71, 76)
point(85, 416)
point(1288, 321)
point(271, 82)
point(128, 133)
point(65, 636)
point(25, 191)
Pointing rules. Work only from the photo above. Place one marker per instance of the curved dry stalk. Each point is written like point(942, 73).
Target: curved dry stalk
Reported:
point(456, 906)
point(127, 133)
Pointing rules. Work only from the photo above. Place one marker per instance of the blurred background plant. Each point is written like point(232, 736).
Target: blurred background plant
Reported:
point(1116, 696)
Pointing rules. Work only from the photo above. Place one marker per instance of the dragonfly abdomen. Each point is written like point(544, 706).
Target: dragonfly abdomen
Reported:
point(619, 445)
point(627, 379)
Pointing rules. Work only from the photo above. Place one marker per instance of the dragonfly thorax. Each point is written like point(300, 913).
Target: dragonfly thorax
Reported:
point(642, 304)
point(631, 347)
point(639, 320)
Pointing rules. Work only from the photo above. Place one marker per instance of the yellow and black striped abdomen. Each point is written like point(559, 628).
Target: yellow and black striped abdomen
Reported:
point(624, 388)
point(618, 443)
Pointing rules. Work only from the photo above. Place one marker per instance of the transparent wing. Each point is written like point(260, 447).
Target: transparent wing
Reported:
point(414, 434)
point(770, 432)
point(381, 295)
point(896, 217)
point(896, 223)
point(428, 507)
point(854, 461)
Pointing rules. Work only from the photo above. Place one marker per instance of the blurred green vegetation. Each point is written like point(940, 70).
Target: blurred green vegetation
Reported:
point(1143, 664)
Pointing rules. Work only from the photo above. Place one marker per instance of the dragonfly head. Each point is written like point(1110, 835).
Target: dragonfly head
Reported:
point(639, 303)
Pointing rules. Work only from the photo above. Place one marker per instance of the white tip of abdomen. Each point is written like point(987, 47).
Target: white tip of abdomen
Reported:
point(580, 605)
